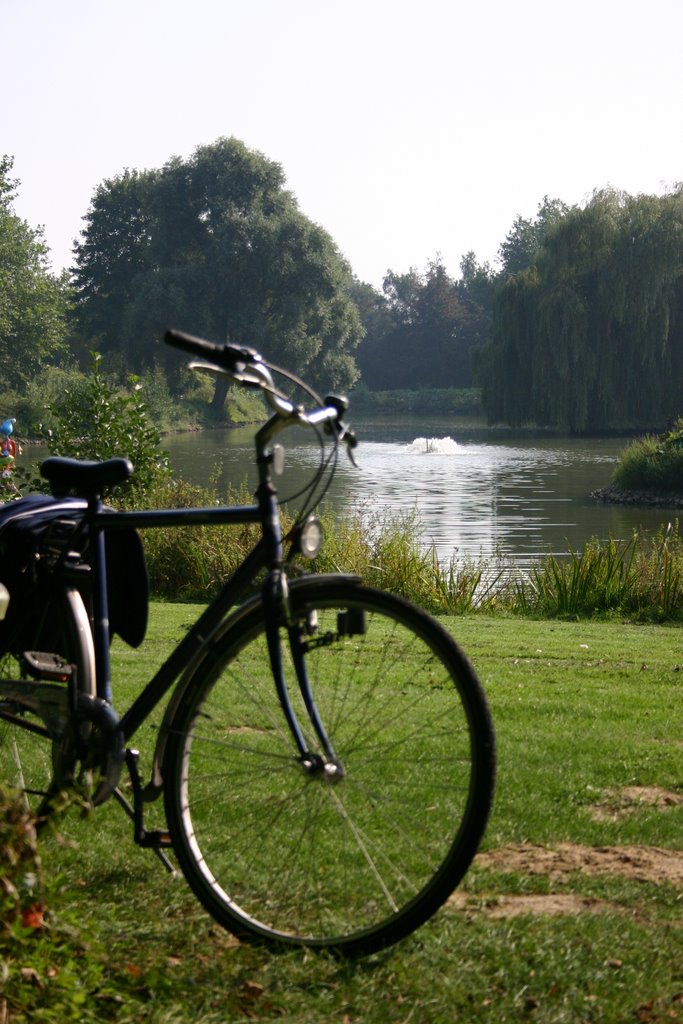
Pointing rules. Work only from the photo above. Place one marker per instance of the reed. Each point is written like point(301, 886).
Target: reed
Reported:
point(601, 578)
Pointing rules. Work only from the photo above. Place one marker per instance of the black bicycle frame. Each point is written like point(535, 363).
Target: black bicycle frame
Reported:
point(266, 554)
point(228, 596)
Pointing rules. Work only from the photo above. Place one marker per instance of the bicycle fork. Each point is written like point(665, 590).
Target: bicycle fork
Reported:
point(278, 611)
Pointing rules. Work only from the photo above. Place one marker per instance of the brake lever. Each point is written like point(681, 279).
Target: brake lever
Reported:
point(240, 374)
point(351, 441)
point(201, 366)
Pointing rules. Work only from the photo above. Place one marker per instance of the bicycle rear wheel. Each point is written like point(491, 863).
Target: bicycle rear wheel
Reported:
point(351, 862)
point(29, 754)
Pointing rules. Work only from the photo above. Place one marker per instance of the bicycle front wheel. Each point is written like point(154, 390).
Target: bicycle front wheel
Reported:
point(353, 860)
point(30, 756)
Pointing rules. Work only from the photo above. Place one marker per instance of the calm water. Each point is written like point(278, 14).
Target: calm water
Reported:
point(474, 492)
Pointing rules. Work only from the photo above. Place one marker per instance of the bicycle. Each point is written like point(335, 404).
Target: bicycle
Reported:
point(326, 758)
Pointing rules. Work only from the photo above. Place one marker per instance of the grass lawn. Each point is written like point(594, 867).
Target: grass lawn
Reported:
point(572, 911)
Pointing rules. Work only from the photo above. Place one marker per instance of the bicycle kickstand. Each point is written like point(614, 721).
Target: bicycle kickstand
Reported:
point(154, 840)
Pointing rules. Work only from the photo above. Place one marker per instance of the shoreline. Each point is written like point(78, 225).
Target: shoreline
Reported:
point(615, 496)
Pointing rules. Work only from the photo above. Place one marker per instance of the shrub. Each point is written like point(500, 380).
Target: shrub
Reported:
point(94, 420)
point(653, 464)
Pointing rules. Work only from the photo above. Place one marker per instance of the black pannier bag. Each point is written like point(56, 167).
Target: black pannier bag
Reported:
point(35, 532)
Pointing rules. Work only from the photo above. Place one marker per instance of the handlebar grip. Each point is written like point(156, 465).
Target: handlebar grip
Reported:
point(230, 357)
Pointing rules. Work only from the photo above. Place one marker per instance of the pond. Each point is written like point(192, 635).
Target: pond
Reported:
point(475, 492)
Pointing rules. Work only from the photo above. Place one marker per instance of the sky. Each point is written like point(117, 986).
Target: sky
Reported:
point(410, 131)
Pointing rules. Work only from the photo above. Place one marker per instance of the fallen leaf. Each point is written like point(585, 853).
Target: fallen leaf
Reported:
point(33, 916)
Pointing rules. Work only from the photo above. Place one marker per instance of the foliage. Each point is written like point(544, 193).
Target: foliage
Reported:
point(94, 420)
point(587, 335)
point(217, 246)
point(653, 464)
point(526, 237)
point(31, 407)
point(421, 332)
point(33, 302)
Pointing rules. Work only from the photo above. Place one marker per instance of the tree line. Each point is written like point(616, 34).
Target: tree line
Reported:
point(589, 335)
point(577, 327)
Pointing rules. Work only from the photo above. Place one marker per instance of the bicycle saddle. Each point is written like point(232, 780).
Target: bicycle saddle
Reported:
point(86, 478)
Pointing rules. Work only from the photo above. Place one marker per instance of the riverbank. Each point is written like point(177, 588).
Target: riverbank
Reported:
point(614, 495)
point(429, 401)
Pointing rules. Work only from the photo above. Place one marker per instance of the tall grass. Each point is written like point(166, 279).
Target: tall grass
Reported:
point(641, 578)
point(188, 563)
point(603, 577)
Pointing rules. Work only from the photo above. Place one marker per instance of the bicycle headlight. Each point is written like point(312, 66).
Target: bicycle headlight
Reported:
point(310, 538)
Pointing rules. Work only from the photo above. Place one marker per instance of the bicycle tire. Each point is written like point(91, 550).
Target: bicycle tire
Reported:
point(30, 759)
point(278, 856)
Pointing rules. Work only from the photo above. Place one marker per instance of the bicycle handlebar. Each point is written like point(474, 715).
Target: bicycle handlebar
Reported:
point(247, 366)
point(243, 365)
point(228, 357)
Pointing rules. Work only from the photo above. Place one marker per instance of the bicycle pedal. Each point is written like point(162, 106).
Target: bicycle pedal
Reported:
point(41, 665)
point(157, 839)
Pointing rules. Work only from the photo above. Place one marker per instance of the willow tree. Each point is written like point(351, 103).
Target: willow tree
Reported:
point(214, 245)
point(591, 337)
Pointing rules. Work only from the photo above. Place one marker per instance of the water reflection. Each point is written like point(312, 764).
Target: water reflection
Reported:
point(474, 493)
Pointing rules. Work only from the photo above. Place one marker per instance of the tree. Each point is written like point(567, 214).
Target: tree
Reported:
point(217, 246)
point(477, 289)
point(590, 336)
point(422, 330)
point(33, 302)
point(525, 238)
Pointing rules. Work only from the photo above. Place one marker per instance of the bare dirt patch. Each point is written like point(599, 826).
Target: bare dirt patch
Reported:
point(551, 904)
point(639, 863)
point(616, 804)
point(559, 863)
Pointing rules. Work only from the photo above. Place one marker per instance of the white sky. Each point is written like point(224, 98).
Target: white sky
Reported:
point(406, 129)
